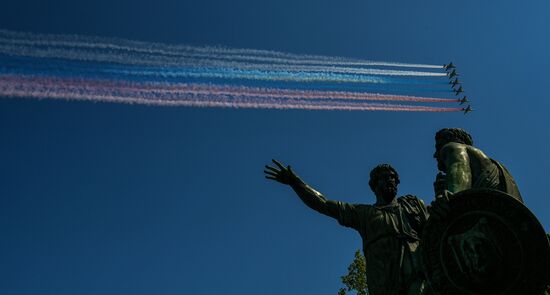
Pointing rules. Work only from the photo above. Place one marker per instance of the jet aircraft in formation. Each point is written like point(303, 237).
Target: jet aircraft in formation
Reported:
point(450, 69)
point(454, 83)
point(452, 74)
point(458, 91)
point(449, 66)
point(467, 109)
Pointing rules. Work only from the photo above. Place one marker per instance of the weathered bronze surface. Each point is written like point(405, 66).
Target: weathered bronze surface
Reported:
point(479, 238)
point(390, 228)
point(463, 166)
point(487, 243)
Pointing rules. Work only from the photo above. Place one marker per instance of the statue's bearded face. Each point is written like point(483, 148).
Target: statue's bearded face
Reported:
point(386, 185)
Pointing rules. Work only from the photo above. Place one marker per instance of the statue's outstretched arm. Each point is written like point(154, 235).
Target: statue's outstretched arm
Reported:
point(307, 194)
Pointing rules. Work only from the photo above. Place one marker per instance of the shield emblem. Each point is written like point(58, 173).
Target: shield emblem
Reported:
point(486, 243)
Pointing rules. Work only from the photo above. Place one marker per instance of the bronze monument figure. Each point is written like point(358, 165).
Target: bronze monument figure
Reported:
point(480, 238)
point(390, 229)
point(468, 167)
point(486, 243)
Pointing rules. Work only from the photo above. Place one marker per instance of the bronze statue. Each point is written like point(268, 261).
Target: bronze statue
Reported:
point(479, 230)
point(463, 166)
point(390, 229)
point(467, 166)
point(486, 243)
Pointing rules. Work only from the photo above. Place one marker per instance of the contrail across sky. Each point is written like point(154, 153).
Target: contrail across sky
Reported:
point(73, 67)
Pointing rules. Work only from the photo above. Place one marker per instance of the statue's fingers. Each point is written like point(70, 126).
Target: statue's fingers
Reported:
point(270, 173)
point(278, 164)
point(270, 177)
point(271, 168)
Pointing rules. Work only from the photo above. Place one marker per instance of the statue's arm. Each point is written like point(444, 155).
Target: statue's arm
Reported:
point(314, 199)
point(311, 197)
point(457, 162)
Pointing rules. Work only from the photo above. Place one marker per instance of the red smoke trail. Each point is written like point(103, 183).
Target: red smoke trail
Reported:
point(174, 89)
point(21, 87)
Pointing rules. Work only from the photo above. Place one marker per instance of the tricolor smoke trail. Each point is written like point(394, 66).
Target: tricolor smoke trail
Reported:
point(122, 71)
point(195, 95)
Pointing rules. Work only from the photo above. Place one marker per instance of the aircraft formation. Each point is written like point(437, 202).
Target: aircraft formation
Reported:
point(456, 86)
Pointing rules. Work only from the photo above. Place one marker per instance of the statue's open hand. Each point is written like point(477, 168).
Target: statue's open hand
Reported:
point(280, 173)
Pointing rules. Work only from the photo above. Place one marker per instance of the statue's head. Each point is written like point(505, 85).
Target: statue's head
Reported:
point(383, 182)
point(458, 135)
point(447, 135)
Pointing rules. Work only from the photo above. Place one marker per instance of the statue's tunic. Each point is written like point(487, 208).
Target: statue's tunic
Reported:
point(496, 176)
point(390, 239)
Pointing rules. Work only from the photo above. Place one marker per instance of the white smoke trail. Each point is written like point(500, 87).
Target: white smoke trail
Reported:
point(173, 51)
point(162, 61)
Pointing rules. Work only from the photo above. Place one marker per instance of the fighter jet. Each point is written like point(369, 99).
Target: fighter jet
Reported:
point(463, 100)
point(452, 74)
point(454, 83)
point(458, 91)
point(449, 66)
point(467, 109)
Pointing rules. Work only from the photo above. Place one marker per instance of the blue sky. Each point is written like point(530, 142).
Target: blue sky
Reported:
point(100, 198)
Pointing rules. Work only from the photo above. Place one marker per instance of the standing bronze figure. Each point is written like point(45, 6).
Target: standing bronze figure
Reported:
point(390, 229)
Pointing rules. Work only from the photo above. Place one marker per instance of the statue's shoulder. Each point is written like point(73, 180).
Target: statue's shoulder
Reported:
point(364, 209)
point(411, 200)
point(453, 146)
point(363, 206)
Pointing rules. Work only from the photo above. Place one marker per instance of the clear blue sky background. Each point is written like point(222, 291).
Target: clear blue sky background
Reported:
point(100, 198)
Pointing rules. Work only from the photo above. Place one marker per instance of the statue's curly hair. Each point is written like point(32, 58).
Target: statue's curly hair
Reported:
point(374, 174)
point(454, 135)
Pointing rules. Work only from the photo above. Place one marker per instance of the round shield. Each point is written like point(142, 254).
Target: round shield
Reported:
point(485, 242)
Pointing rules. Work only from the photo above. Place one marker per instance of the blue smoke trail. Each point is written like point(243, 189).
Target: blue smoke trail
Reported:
point(31, 65)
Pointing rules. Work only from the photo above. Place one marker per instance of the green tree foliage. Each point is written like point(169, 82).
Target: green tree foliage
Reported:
point(356, 279)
